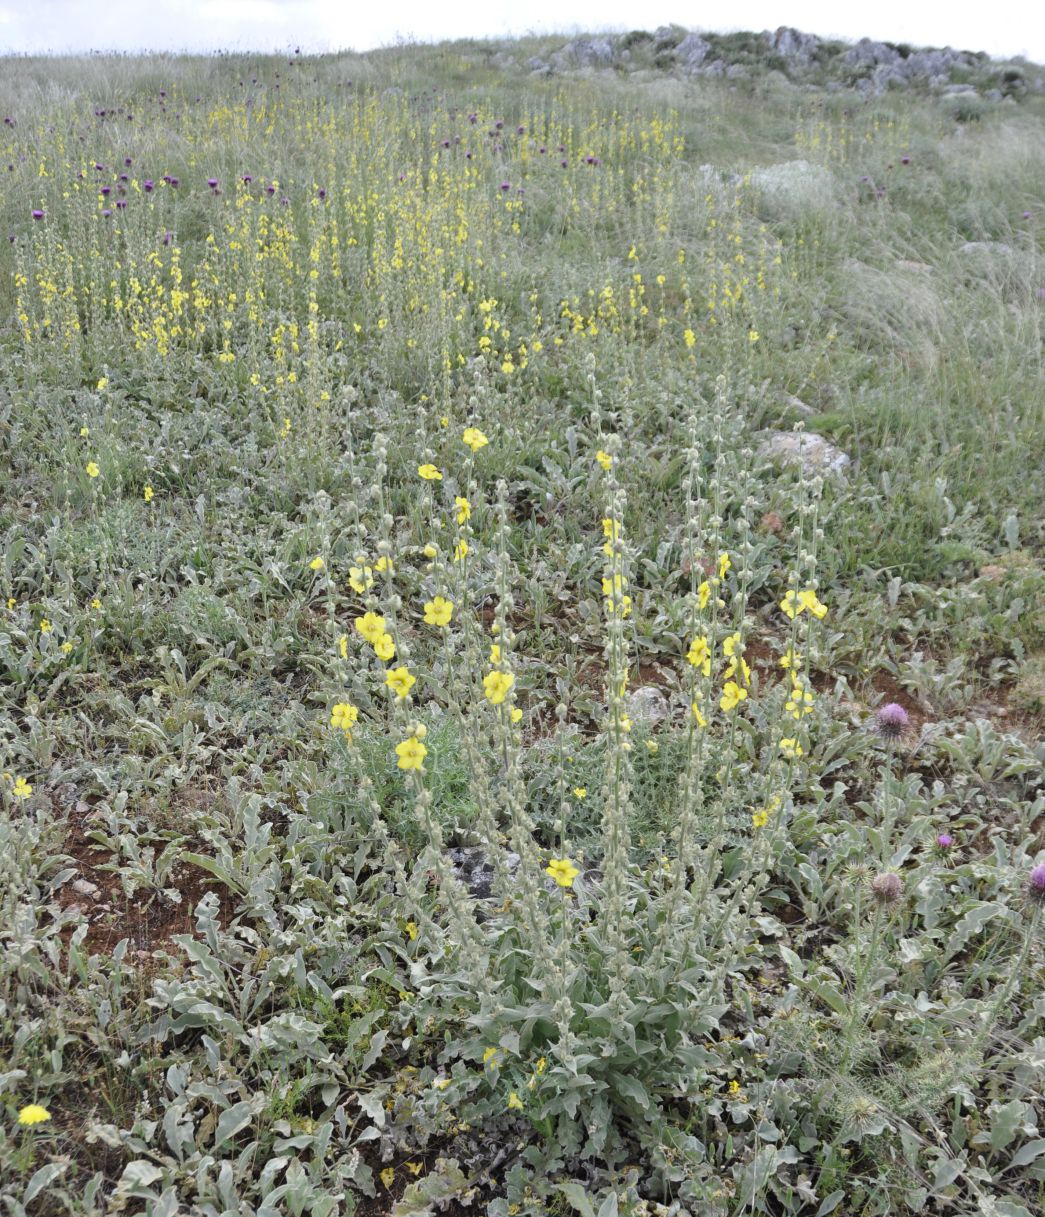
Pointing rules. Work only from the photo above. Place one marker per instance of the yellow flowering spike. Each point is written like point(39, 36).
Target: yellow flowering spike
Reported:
point(317, 563)
point(652, 747)
point(495, 652)
point(92, 469)
point(701, 721)
point(516, 714)
point(759, 819)
point(724, 564)
point(461, 550)
point(400, 681)
point(790, 660)
point(604, 459)
point(344, 716)
point(429, 551)
point(45, 626)
point(429, 473)
point(342, 646)
point(791, 606)
point(514, 1102)
point(808, 600)
point(474, 438)
point(360, 578)
point(384, 564)
point(791, 748)
point(704, 594)
point(689, 337)
point(496, 686)
point(33, 1114)
point(562, 871)
point(147, 494)
point(464, 509)
point(438, 611)
point(730, 644)
point(411, 753)
point(385, 648)
point(96, 603)
point(699, 655)
point(732, 695)
point(580, 792)
point(371, 626)
point(22, 789)
point(411, 930)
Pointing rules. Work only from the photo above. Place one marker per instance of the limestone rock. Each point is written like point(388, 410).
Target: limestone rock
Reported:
point(812, 452)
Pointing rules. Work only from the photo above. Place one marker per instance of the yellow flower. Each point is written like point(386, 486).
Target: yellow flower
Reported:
point(461, 550)
point(724, 565)
point(400, 681)
point(464, 509)
point(516, 714)
point(96, 603)
point(438, 611)
point(730, 644)
point(66, 647)
point(699, 655)
point(92, 469)
point(496, 686)
point(22, 789)
point(317, 563)
point(790, 659)
point(385, 648)
point(388, 1176)
point(33, 1114)
point(11, 602)
point(415, 1168)
point(604, 459)
point(580, 792)
point(371, 626)
point(411, 753)
point(444, 421)
point(700, 719)
point(441, 1083)
point(490, 1054)
point(342, 646)
point(790, 605)
point(429, 473)
point(809, 601)
point(759, 819)
point(429, 551)
point(45, 626)
point(85, 432)
point(384, 563)
point(102, 384)
point(704, 594)
point(344, 716)
point(562, 871)
point(147, 494)
point(610, 528)
point(514, 1102)
point(495, 652)
point(732, 695)
point(689, 337)
point(791, 748)
point(652, 747)
point(474, 438)
point(752, 335)
point(360, 578)
point(411, 930)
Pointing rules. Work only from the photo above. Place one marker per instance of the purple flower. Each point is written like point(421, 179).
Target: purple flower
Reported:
point(106, 212)
point(892, 721)
point(506, 185)
point(105, 190)
point(1027, 215)
point(168, 237)
point(905, 160)
point(121, 203)
point(247, 179)
point(148, 185)
point(945, 840)
point(37, 214)
point(321, 193)
point(212, 182)
point(128, 162)
point(565, 164)
point(124, 177)
point(520, 130)
point(174, 182)
point(1036, 883)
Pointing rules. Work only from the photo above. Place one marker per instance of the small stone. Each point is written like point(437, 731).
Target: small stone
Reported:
point(648, 704)
point(812, 452)
point(83, 887)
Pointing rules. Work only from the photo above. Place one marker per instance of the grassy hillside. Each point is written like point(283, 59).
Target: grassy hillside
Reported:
point(521, 655)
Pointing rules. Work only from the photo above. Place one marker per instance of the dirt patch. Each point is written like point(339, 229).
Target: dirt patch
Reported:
point(147, 919)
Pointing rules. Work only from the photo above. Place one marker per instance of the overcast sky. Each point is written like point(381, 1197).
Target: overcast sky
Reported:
point(1003, 28)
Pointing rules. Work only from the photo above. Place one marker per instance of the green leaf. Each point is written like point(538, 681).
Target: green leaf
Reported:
point(232, 1121)
point(45, 1175)
point(629, 1087)
point(578, 1197)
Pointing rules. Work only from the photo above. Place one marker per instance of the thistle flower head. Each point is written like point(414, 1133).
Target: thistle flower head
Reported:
point(1036, 884)
point(891, 721)
point(887, 887)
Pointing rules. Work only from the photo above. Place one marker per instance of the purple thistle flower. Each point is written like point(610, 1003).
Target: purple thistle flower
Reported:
point(148, 185)
point(37, 214)
point(168, 237)
point(128, 162)
point(212, 182)
point(892, 721)
point(247, 179)
point(1036, 883)
point(565, 164)
point(506, 185)
point(945, 840)
point(1027, 215)
point(106, 212)
point(173, 182)
point(905, 160)
point(105, 191)
point(121, 204)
